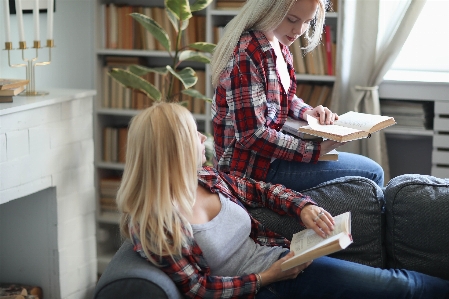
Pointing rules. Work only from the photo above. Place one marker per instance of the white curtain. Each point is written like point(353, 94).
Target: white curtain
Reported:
point(372, 35)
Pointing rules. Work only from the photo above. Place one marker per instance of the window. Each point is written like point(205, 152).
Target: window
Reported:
point(427, 47)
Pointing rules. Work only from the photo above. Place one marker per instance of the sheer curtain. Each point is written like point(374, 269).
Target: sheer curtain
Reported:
point(371, 37)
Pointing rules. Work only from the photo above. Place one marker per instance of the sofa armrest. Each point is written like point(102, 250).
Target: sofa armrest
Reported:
point(130, 276)
point(417, 224)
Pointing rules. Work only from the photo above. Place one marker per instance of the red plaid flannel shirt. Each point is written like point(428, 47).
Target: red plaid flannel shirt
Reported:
point(191, 273)
point(250, 107)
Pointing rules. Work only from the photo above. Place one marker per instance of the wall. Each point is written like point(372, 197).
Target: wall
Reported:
point(72, 63)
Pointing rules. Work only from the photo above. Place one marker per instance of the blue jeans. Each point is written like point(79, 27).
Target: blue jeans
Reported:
point(300, 176)
point(333, 278)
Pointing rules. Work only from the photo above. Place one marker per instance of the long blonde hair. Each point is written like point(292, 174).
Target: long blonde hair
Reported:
point(160, 178)
point(263, 15)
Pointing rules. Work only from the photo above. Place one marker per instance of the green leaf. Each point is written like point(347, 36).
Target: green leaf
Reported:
point(154, 28)
point(203, 46)
point(180, 8)
point(200, 5)
point(196, 94)
point(193, 56)
point(133, 81)
point(187, 76)
point(140, 70)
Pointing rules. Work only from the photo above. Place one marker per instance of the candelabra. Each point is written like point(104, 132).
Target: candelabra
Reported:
point(30, 64)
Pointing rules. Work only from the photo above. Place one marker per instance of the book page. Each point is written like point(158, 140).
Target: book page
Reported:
point(307, 239)
point(331, 129)
point(360, 121)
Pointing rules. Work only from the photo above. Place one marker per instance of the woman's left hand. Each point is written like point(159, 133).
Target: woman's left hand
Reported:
point(318, 219)
point(323, 114)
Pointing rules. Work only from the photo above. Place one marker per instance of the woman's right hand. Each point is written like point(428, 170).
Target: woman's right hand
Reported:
point(328, 145)
point(274, 273)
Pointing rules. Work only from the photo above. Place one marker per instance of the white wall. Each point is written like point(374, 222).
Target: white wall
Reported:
point(73, 58)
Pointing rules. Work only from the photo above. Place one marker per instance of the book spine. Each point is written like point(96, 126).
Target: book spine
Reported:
point(328, 44)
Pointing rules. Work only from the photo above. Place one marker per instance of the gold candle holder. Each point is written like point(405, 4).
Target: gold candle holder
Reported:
point(30, 64)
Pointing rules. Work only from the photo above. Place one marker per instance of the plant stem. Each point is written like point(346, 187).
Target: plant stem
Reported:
point(175, 60)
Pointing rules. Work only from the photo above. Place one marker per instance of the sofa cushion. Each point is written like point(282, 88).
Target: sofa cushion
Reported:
point(130, 276)
point(359, 195)
point(417, 224)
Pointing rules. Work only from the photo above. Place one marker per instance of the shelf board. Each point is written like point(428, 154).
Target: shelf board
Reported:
point(119, 112)
point(403, 130)
point(110, 165)
point(234, 11)
point(305, 77)
point(133, 112)
point(132, 52)
point(108, 217)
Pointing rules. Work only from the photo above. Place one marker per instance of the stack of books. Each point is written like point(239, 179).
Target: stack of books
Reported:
point(10, 88)
point(108, 192)
point(416, 115)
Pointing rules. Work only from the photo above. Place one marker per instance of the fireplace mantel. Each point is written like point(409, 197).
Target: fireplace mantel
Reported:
point(47, 150)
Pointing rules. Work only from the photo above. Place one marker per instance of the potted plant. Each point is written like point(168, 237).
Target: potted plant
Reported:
point(179, 12)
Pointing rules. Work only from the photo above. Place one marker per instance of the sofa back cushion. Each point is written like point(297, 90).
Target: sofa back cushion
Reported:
point(417, 224)
point(359, 195)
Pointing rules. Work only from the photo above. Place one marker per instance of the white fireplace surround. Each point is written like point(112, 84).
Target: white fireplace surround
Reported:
point(47, 193)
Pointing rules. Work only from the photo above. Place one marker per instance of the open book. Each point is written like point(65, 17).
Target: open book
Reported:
point(292, 126)
point(307, 245)
point(349, 126)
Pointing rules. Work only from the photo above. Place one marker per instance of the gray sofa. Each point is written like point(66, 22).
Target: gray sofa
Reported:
point(404, 225)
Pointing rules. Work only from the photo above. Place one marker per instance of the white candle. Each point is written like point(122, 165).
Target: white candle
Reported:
point(20, 20)
point(50, 19)
point(7, 22)
point(36, 20)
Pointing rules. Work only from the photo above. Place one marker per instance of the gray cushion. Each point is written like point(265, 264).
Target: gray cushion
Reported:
point(417, 220)
point(130, 276)
point(359, 195)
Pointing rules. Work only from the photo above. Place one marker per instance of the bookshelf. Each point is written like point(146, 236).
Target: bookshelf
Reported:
point(115, 116)
point(430, 143)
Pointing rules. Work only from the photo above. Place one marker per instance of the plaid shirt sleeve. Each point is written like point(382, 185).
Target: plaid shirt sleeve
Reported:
point(192, 276)
point(275, 197)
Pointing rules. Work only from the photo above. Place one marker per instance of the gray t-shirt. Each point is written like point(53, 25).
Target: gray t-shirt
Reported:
point(226, 244)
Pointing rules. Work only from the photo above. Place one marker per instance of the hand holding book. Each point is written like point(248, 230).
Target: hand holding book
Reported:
point(349, 126)
point(308, 245)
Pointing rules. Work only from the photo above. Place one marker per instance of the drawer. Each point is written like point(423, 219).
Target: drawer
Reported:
point(440, 172)
point(441, 141)
point(441, 108)
point(441, 124)
point(440, 157)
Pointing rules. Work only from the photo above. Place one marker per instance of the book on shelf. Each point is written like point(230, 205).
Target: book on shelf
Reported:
point(6, 99)
point(12, 83)
point(108, 192)
point(13, 91)
point(308, 245)
point(349, 126)
point(116, 95)
point(327, 44)
point(229, 4)
point(114, 144)
point(292, 126)
point(20, 291)
point(409, 114)
point(298, 60)
point(315, 94)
